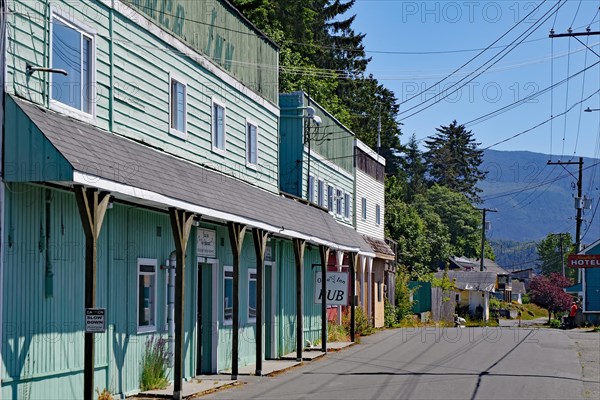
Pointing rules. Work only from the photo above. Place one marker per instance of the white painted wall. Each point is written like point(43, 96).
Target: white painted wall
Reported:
point(374, 192)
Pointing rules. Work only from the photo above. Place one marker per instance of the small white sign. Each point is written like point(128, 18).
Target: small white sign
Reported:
point(337, 288)
point(95, 320)
point(206, 243)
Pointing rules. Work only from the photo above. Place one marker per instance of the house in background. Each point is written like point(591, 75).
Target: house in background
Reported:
point(161, 138)
point(503, 287)
point(518, 291)
point(473, 289)
point(524, 275)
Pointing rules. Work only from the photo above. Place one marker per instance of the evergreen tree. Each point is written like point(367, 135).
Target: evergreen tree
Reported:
point(414, 169)
point(453, 160)
point(549, 253)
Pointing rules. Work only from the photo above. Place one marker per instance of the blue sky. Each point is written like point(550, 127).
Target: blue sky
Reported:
point(447, 27)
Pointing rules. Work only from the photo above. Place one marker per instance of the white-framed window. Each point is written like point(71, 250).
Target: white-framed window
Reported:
point(178, 107)
point(321, 193)
point(251, 143)
point(338, 201)
point(364, 209)
point(219, 126)
point(330, 198)
point(377, 214)
point(311, 188)
point(227, 295)
point(347, 205)
point(72, 49)
point(146, 294)
point(251, 295)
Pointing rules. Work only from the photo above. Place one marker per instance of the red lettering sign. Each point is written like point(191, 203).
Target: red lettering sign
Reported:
point(584, 261)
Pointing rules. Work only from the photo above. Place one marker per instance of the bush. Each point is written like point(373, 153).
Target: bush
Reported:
point(525, 299)
point(554, 323)
point(104, 394)
point(337, 333)
point(362, 325)
point(154, 365)
point(495, 303)
point(389, 315)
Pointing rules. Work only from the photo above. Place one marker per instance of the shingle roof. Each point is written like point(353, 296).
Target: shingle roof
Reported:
point(380, 247)
point(472, 280)
point(112, 157)
point(518, 287)
point(474, 264)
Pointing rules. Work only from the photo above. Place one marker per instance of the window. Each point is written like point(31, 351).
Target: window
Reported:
point(251, 143)
point(72, 50)
point(320, 193)
point(347, 205)
point(364, 209)
point(330, 197)
point(218, 126)
point(311, 188)
point(338, 201)
point(379, 292)
point(251, 295)
point(178, 111)
point(146, 295)
point(377, 214)
point(228, 296)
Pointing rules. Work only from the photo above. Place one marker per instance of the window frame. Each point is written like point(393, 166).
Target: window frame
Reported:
point(249, 163)
point(84, 30)
point(218, 103)
point(347, 205)
point(147, 262)
point(330, 203)
point(363, 211)
point(311, 188)
point(321, 193)
point(252, 320)
point(227, 268)
point(174, 131)
point(339, 203)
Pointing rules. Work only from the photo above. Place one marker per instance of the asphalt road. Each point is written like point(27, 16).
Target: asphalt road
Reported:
point(436, 363)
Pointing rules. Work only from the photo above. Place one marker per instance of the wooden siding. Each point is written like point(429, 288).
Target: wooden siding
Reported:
point(291, 138)
point(374, 192)
point(221, 34)
point(43, 337)
point(141, 66)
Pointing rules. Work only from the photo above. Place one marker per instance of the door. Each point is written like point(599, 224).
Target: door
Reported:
point(205, 346)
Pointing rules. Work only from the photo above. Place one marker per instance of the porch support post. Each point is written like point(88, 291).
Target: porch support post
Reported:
point(260, 244)
point(299, 245)
point(181, 224)
point(353, 257)
point(324, 253)
point(236, 237)
point(92, 206)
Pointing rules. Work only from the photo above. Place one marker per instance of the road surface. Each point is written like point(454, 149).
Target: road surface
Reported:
point(437, 363)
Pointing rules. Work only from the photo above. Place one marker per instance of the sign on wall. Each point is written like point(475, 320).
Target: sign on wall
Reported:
point(337, 288)
point(95, 320)
point(206, 243)
point(584, 261)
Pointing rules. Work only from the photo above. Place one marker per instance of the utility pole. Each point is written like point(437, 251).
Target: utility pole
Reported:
point(578, 200)
point(484, 211)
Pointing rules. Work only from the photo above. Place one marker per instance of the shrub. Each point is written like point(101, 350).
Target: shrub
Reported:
point(525, 299)
point(154, 365)
point(495, 303)
point(554, 323)
point(104, 394)
point(337, 333)
point(362, 325)
point(389, 315)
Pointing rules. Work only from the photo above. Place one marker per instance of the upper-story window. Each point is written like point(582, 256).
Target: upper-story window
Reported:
point(377, 214)
point(346, 205)
point(338, 201)
point(178, 111)
point(251, 143)
point(364, 209)
point(311, 188)
point(218, 126)
point(321, 193)
point(330, 198)
point(72, 50)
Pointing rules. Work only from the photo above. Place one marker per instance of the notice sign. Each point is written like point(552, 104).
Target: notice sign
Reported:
point(206, 243)
point(584, 261)
point(95, 320)
point(337, 288)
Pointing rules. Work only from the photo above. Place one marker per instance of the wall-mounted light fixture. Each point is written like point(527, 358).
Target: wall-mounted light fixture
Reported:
point(30, 69)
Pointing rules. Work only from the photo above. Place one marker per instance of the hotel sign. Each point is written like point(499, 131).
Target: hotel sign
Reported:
point(584, 261)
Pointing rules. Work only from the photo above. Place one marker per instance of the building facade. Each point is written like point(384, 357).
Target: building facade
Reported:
point(140, 178)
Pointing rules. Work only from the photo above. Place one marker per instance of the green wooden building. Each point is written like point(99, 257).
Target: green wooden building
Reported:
point(140, 176)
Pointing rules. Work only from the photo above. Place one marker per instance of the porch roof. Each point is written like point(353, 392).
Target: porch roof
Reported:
point(60, 149)
point(472, 280)
point(380, 248)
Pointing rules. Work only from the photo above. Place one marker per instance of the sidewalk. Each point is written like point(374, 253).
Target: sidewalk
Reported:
point(588, 348)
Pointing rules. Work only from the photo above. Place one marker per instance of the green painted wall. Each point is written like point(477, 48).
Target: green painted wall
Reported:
point(134, 101)
point(220, 33)
point(43, 336)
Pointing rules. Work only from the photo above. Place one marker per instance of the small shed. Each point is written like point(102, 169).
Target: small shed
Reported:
point(473, 288)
